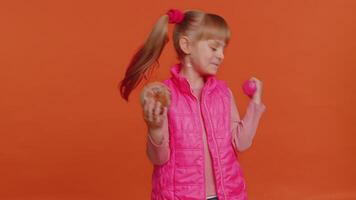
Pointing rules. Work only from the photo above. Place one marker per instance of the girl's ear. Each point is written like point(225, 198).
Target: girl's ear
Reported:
point(185, 44)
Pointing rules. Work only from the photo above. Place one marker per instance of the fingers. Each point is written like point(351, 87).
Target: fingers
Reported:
point(150, 109)
point(159, 113)
point(147, 109)
point(154, 113)
point(165, 110)
point(157, 110)
point(257, 81)
point(254, 79)
point(259, 86)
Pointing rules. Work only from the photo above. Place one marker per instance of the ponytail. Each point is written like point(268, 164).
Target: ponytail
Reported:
point(195, 24)
point(146, 58)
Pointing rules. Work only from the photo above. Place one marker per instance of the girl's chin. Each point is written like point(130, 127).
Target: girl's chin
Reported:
point(214, 68)
point(212, 72)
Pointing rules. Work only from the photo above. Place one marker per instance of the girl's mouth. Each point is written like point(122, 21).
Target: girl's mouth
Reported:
point(215, 65)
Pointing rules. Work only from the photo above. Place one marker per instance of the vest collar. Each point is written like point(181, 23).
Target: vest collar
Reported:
point(182, 83)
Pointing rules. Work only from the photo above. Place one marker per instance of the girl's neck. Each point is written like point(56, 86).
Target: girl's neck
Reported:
point(195, 80)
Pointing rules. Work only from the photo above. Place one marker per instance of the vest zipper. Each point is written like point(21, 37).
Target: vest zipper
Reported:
point(202, 118)
point(200, 121)
point(214, 139)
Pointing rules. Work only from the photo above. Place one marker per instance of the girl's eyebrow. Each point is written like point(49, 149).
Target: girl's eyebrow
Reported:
point(219, 43)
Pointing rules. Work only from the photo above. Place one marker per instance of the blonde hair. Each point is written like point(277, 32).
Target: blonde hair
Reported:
point(196, 24)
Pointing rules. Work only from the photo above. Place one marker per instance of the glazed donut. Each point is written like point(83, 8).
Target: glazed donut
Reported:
point(158, 91)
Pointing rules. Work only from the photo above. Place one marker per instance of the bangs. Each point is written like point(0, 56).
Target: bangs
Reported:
point(214, 27)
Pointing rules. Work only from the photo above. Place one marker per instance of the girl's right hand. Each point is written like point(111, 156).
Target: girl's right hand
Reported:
point(154, 114)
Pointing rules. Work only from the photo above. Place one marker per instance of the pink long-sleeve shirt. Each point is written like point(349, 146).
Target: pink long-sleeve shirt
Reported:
point(242, 130)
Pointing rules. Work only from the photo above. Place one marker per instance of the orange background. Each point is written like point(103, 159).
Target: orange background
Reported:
point(66, 134)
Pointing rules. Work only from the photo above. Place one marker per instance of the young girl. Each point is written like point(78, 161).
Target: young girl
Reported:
point(194, 142)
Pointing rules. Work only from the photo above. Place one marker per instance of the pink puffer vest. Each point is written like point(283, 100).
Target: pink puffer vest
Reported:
point(183, 176)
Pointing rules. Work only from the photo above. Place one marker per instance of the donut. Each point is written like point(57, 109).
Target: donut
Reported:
point(158, 91)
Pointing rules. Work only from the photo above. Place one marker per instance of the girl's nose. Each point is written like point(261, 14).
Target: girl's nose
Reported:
point(220, 55)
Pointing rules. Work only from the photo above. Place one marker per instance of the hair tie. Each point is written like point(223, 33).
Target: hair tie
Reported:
point(175, 16)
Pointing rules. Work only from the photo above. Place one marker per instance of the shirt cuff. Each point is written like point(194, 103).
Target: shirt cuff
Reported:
point(163, 143)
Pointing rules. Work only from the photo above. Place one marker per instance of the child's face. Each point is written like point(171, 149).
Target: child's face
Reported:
point(207, 55)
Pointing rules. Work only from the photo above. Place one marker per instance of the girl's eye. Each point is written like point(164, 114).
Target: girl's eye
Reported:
point(214, 49)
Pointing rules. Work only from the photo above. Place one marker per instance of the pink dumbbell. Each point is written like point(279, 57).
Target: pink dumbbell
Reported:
point(249, 87)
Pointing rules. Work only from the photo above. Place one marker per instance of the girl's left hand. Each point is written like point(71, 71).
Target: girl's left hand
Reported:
point(257, 96)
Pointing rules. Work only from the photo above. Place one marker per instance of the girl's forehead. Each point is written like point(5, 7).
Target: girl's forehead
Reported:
point(217, 42)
